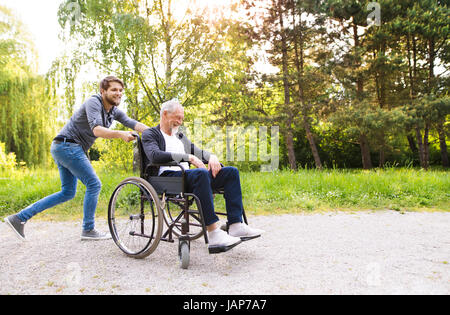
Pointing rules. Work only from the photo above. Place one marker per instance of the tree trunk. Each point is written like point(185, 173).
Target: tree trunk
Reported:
point(166, 22)
point(287, 105)
point(431, 61)
point(426, 144)
point(382, 158)
point(312, 143)
point(365, 152)
point(380, 84)
point(363, 142)
point(420, 147)
point(426, 147)
point(299, 63)
point(443, 145)
point(359, 79)
point(382, 153)
point(412, 144)
point(290, 148)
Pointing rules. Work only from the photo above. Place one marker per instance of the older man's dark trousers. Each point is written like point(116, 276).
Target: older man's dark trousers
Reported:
point(201, 183)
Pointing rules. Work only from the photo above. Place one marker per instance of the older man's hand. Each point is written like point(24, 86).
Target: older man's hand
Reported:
point(196, 161)
point(214, 165)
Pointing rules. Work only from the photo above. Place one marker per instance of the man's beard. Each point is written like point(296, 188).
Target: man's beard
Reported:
point(112, 101)
point(174, 130)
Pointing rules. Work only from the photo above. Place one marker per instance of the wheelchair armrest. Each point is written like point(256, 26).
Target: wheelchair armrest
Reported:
point(165, 164)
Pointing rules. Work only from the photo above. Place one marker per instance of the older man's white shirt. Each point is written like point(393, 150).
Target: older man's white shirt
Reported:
point(173, 145)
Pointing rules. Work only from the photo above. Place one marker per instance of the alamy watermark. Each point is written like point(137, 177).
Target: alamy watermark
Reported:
point(74, 10)
point(373, 274)
point(374, 17)
point(231, 143)
point(73, 275)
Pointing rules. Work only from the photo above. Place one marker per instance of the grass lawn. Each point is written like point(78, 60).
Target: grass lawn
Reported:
point(403, 189)
point(311, 190)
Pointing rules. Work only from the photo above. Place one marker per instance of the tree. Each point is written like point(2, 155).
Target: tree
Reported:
point(308, 79)
point(348, 66)
point(26, 106)
point(159, 54)
point(423, 25)
point(289, 37)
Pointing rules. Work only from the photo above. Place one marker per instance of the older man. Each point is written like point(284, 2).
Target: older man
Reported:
point(164, 144)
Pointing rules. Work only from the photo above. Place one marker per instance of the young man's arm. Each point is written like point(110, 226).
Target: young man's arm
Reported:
point(130, 123)
point(140, 127)
point(102, 132)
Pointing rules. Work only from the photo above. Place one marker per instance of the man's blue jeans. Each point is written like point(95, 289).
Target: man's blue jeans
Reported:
point(73, 164)
point(201, 183)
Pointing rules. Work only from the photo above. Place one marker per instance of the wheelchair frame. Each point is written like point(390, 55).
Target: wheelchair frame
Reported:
point(160, 192)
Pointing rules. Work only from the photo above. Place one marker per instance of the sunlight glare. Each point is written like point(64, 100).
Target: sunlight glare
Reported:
point(212, 9)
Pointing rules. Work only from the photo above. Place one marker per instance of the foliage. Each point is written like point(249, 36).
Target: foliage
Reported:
point(343, 92)
point(115, 154)
point(159, 54)
point(26, 109)
point(7, 161)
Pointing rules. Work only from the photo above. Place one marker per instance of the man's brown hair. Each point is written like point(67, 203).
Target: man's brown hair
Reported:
point(104, 84)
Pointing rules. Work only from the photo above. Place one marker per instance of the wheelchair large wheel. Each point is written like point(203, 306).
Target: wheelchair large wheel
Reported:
point(135, 218)
point(173, 214)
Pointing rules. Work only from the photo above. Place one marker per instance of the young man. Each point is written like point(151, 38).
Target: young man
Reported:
point(163, 144)
point(69, 150)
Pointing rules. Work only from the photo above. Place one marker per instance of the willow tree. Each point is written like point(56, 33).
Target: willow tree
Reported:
point(161, 49)
point(26, 109)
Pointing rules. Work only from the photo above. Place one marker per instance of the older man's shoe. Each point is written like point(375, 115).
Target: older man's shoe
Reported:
point(244, 232)
point(220, 241)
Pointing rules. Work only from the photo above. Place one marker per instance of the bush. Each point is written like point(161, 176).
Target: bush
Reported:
point(7, 161)
point(115, 154)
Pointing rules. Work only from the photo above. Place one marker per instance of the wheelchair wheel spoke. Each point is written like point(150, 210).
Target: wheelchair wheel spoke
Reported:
point(174, 212)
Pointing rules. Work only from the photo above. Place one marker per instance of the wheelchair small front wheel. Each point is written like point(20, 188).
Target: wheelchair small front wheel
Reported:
point(135, 217)
point(184, 254)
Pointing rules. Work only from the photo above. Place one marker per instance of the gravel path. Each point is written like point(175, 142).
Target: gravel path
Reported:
point(383, 252)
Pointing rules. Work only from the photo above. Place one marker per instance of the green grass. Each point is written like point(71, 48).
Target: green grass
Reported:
point(309, 190)
point(26, 187)
point(403, 189)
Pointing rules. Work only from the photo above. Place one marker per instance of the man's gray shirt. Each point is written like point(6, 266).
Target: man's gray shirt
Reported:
point(92, 114)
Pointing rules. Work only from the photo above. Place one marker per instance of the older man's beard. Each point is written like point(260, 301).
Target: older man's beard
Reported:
point(175, 130)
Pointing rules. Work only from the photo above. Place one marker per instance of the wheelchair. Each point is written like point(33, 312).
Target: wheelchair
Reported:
point(148, 209)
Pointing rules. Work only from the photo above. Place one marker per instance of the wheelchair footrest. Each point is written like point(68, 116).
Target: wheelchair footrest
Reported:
point(221, 249)
point(244, 239)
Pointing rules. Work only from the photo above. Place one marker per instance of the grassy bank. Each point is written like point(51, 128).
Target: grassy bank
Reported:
point(264, 193)
point(309, 190)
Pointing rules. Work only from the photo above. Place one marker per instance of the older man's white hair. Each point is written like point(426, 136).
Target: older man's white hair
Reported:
point(170, 106)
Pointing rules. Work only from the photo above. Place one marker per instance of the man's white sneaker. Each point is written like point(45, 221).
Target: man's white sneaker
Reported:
point(220, 241)
point(243, 231)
